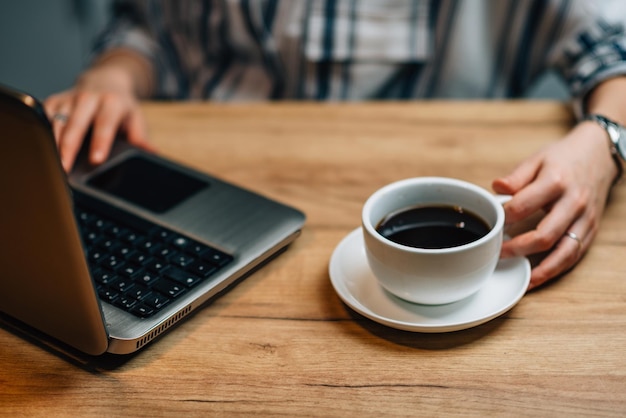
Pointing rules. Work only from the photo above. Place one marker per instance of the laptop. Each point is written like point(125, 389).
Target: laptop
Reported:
point(110, 257)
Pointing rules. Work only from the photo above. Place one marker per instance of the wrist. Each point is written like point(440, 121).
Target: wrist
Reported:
point(106, 78)
point(616, 140)
point(608, 99)
point(124, 70)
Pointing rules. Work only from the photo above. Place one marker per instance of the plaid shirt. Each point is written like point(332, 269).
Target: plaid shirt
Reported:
point(369, 49)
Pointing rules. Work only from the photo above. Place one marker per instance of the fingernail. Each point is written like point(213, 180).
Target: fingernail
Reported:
point(97, 157)
point(66, 165)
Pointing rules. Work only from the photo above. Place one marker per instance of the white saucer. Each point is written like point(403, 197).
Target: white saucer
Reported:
point(358, 288)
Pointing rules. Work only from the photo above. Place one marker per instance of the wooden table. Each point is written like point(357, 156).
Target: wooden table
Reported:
point(282, 342)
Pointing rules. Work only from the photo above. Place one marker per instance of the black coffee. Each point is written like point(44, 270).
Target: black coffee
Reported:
point(433, 227)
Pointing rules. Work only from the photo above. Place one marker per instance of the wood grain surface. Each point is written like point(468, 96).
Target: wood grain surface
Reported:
point(282, 343)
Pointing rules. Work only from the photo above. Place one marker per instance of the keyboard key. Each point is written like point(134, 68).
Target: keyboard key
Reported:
point(122, 285)
point(156, 265)
point(137, 257)
point(182, 277)
point(124, 250)
point(163, 252)
point(85, 218)
point(130, 271)
point(156, 300)
point(181, 260)
point(169, 288)
point(104, 277)
point(115, 230)
point(138, 292)
point(91, 238)
point(97, 255)
point(148, 278)
point(130, 236)
point(196, 248)
point(109, 244)
point(179, 241)
point(146, 244)
point(108, 295)
point(202, 269)
point(112, 262)
point(100, 224)
point(162, 234)
point(125, 302)
point(217, 257)
point(142, 310)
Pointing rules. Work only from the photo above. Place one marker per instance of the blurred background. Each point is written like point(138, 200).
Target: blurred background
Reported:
point(44, 44)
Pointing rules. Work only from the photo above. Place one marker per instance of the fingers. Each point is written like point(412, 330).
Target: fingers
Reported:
point(567, 183)
point(568, 251)
point(562, 251)
point(104, 112)
point(523, 175)
point(57, 108)
point(80, 119)
point(542, 194)
point(109, 117)
point(547, 240)
point(136, 131)
point(570, 211)
point(532, 187)
point(78, 110)
point(549, 230)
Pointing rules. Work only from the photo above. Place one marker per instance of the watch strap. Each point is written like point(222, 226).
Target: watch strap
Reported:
point(614, 131)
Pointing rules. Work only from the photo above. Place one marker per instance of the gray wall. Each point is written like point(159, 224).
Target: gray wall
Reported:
point(45, 43)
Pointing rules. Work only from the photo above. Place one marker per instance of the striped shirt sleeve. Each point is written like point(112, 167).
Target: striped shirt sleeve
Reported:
point(593, 54)
point(369, 49)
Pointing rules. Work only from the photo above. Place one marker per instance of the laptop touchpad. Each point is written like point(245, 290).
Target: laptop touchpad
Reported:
point(145, 183)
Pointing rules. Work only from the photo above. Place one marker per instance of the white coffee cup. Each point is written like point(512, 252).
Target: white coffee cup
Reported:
point(425, 275)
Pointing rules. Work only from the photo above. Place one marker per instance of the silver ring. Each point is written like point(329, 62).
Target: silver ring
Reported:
point(575, 238)
point(61, 117)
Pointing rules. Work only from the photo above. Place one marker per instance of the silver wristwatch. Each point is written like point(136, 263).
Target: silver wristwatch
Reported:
point(617, 137)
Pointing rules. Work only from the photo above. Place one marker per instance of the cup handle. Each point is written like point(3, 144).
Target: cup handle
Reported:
point(503, 198)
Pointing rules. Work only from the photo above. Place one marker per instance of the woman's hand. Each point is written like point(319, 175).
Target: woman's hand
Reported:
point(570, 181)
point(104, 100)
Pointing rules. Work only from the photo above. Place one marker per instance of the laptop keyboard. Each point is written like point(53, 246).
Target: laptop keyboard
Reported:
point(137, 265)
